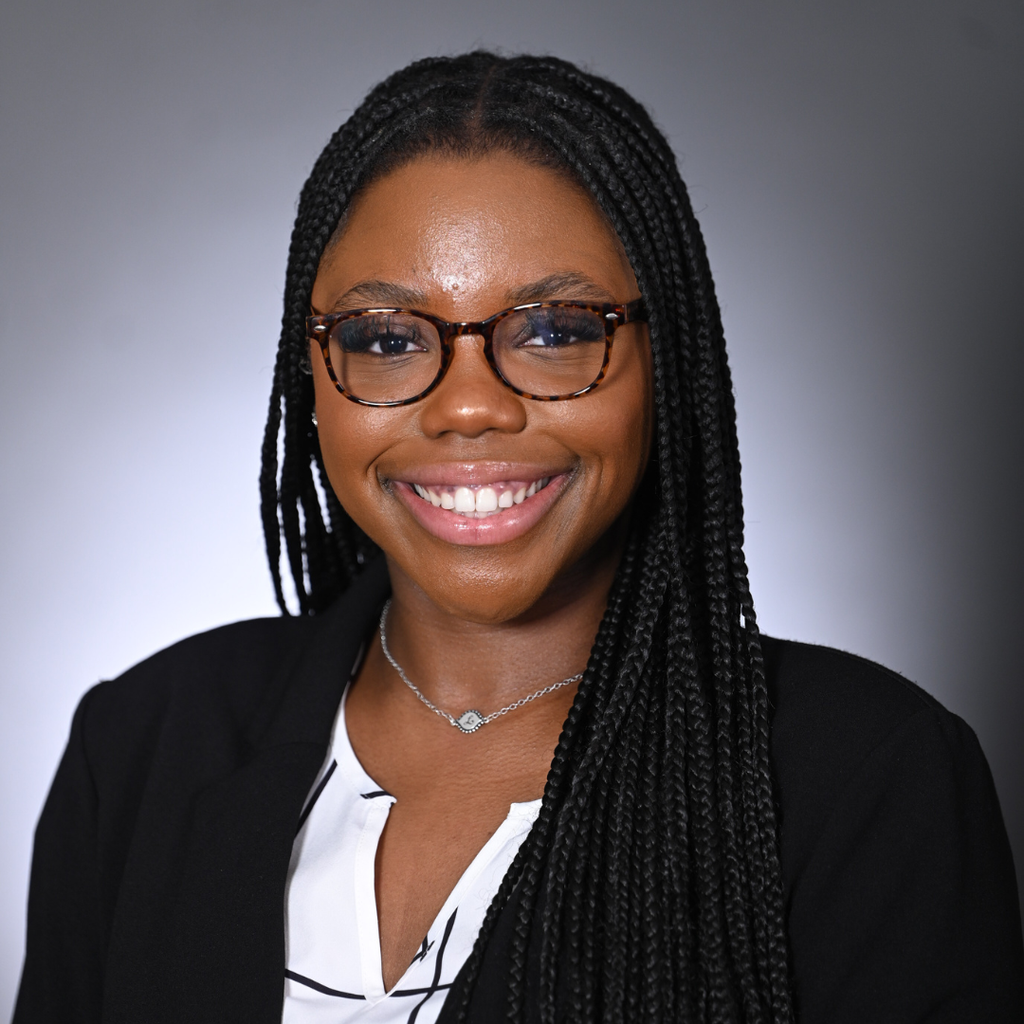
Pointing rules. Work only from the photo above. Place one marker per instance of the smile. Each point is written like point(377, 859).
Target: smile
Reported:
point(478, 506)
point(481, 501)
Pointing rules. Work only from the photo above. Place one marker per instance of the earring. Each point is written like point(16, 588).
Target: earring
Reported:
point(315, 424)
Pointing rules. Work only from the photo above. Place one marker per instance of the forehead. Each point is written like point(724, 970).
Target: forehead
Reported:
point(465, 232)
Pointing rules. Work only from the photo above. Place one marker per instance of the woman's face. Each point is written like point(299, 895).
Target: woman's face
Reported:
point(463, 239)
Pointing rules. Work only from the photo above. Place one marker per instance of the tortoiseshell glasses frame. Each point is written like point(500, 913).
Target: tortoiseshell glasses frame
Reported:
point(319, 328)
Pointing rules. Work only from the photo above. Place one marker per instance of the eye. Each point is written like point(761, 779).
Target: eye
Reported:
point(558, 327)
point(381, 334)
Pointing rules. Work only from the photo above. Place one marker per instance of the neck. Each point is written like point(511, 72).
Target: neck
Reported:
point(458, 662)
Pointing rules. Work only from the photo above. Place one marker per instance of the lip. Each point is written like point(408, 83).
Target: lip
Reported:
point(499, 528)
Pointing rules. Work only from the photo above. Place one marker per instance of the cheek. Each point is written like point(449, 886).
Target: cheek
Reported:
point(349, 453)
point(612, 434)
point(351, 439)
point(622, 429)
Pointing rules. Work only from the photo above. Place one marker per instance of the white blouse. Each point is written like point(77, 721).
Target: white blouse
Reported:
point(332, 942)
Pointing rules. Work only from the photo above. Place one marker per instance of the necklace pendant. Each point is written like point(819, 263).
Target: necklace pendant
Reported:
point(469, 721)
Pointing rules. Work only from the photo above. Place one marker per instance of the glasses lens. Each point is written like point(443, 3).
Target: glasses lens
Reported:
point(385, 357)
point(550, 351)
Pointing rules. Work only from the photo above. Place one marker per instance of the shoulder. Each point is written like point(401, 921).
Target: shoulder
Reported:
point(841, 724)
point(229, 668)
point(899, 882)
point(250, 648)
point(831, 710)
point(214, 697)
point(196, 702)
point(834, 689)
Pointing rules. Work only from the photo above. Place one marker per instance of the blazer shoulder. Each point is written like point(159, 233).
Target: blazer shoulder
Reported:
point(218, 694)
point(249, 649)
point(812, 685)
point(899, 880)
point(251, 645)
point(219, 676)
point(833, 712)
point(830, 709)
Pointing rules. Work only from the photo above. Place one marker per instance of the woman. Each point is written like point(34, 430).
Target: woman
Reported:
point(526, 756)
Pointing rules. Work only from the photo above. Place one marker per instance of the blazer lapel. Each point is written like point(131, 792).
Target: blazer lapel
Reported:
point(219, 953)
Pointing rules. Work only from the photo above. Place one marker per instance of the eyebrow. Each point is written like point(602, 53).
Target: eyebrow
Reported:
point(379, 293)
point(566, 285)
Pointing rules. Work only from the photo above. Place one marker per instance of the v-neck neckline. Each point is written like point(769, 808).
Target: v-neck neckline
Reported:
point(379, 803)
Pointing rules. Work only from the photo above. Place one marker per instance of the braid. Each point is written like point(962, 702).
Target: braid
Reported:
point(650, 885)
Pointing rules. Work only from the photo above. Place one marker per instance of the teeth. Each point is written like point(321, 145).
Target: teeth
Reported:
point(482, 503)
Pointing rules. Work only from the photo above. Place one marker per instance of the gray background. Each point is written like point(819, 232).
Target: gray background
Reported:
point(857, 168)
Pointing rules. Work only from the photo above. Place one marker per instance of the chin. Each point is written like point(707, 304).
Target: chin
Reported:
point(479, 593)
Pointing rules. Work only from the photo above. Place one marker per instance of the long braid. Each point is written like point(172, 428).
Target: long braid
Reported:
point(650, 885)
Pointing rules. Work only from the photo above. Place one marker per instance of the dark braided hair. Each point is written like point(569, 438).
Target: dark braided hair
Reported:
point(651, 879)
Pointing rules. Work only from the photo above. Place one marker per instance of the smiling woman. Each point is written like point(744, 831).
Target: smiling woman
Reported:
point(525, 754)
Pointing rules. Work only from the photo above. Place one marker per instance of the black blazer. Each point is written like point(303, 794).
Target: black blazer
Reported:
point(157, 891)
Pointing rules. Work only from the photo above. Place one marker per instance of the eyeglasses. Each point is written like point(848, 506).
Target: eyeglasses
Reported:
point(548, 351)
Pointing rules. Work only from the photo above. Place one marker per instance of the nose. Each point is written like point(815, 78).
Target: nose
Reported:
point(471, 400)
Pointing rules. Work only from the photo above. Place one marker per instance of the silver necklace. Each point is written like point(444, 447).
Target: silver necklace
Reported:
point(470, 720)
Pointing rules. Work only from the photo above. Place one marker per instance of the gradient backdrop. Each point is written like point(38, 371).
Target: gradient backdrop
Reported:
point(857, 168)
